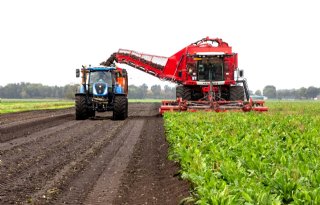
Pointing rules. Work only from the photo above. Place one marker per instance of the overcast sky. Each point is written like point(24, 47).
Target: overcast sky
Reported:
point(44, 41)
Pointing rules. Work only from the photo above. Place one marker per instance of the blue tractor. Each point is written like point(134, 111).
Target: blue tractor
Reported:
point(102, 89)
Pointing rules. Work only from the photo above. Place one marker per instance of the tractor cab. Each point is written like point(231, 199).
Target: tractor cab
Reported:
point(100, 82)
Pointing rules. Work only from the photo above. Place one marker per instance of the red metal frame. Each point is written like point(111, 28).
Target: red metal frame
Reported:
point(177, 69)
point(218, 106)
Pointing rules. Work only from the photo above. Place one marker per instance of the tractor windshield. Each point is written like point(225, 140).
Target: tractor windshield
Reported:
point(101, 76)
point(205, 67)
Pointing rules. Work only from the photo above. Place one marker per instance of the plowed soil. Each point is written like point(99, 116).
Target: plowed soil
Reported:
point(47, 157)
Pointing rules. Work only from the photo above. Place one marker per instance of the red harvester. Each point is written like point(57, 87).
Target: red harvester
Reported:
point(206, 72)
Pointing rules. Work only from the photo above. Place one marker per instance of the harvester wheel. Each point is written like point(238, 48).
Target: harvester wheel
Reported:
point(120, 110)
point(236, 93)
point(187, 93)
point(81, 108)
point(179, 91)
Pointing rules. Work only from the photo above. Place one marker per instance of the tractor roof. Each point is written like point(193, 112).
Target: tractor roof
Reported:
point(101, 68)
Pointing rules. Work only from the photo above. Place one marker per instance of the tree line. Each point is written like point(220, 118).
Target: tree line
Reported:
point(271, 92)
point(155, 92)
point(36, 90)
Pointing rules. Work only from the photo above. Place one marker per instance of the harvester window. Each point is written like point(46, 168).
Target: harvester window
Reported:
point(204, 69)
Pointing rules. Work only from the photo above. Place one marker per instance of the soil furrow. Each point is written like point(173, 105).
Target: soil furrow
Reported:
point(150, 178)
point(109, 181)
point(9, 145)
point(23, 156)
point(24, 129)
point(33, 171)
point(27, 116)
point(72, 171)
point(47, 157)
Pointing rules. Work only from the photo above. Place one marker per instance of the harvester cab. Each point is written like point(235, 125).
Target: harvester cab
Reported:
point(102, 89)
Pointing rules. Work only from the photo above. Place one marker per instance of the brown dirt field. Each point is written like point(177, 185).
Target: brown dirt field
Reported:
point(47, 157)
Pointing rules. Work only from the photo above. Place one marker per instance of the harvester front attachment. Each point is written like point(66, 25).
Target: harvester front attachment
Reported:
point(218, 106)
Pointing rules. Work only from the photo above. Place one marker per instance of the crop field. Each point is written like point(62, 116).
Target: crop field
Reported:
point(249, 158)
point(14, 105)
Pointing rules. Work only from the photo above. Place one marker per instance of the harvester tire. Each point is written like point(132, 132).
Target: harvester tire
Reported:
point(236, 93)
point(120, 109)
point(81, 108)
point(179, 91)
point(187, 93)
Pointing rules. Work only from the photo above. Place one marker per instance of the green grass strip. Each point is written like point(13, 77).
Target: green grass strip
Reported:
point(10, 106)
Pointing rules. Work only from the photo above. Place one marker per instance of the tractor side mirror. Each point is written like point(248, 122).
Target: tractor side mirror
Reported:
point(241, 73)
point(77, 73)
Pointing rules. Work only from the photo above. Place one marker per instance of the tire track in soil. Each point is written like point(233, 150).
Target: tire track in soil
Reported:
point(24, 128)
point(61, 160)
point(23, 117)
point(102, 175)
point(32, 164)
point(27, 161)
point(150, 178)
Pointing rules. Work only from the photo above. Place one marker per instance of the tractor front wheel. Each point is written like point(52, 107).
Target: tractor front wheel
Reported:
point(120, 109)
point(81, 108)
point(91, 113)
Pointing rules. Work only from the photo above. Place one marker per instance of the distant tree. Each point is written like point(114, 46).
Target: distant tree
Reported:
point(69, 91)
point(156, 91)
point(134, 92)
point(169, 92)
point(35, 90)
point(270, 91)
point(144, 90)
point(301, 93)
point(286, 94)
point(312, 92)
point(258, 92)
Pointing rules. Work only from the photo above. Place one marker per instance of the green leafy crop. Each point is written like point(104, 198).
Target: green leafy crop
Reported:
point(249, 158)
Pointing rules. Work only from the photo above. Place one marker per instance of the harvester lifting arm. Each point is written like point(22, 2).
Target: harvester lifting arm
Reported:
point(151, 64)
point(205, 73)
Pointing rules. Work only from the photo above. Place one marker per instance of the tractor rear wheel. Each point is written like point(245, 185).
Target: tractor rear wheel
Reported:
point(120, 109)
point(236, 93)
point(81, 108)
